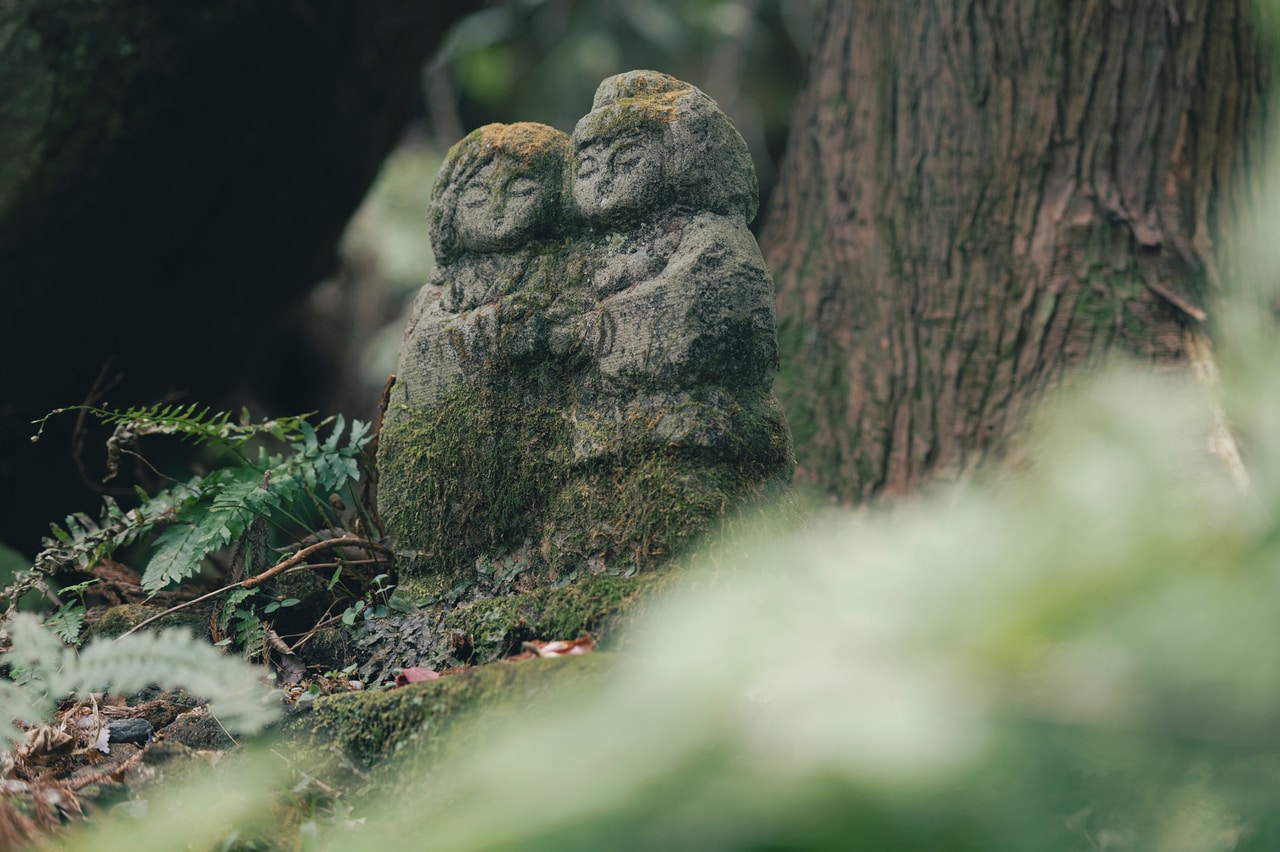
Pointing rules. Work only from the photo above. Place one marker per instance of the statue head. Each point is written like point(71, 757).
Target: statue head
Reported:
point(652, 142)
point(498, 189)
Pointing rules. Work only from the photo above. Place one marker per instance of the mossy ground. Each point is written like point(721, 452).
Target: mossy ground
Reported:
point(442, 635)
point(121, 619)
point(381, 728)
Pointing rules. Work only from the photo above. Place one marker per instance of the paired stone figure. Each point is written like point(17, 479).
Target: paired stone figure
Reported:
point(584, 383)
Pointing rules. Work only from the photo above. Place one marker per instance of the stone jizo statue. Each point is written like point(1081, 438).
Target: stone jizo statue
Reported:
point(584, 384)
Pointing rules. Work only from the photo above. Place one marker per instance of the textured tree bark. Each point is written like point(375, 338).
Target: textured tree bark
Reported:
point(979, 196)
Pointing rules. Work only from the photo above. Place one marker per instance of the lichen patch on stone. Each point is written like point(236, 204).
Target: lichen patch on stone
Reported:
point(525, 139)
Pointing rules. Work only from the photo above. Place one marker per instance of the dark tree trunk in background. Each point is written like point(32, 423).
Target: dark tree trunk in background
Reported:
point(977, 197)
point(174, 176)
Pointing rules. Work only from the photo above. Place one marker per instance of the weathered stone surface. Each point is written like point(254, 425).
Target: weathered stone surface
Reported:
point(584, 384)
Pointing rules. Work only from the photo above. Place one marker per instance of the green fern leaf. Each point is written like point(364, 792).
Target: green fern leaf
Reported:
point(207, 514)
point(35, 650)
point(21, 702)
point(67, 623)
point(172, 659)
point(181, 548)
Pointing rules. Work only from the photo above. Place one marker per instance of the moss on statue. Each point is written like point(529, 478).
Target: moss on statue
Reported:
point(485, 476)
point(474, 475)
point(595, 605)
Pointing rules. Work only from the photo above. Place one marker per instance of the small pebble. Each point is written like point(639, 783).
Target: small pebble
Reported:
point(138, 731)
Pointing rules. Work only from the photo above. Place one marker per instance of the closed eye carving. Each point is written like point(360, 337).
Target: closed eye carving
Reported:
point(522, 187)
point(474, 196)
point(587, 165)
point(629, 151)
point(628, 157)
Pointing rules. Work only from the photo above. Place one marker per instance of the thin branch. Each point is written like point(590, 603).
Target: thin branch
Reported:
point(301, 555)
point(282, 567)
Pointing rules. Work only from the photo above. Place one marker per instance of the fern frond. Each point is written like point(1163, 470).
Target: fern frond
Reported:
point(205, 514)
point(67, 623)
point(34, 651)
point(181, 548)
point(84, 542)
point(269, 488)
point(172, 659)
point(176, 660)
point(20, 703)
point(34, 654)
point(201, 425)
point(230, 603)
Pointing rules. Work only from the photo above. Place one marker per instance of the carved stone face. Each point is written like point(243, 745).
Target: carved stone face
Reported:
point(617, 176)
point(502, 205)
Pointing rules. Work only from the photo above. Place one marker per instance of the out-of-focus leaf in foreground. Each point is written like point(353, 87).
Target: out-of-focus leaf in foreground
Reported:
point(1082, 650)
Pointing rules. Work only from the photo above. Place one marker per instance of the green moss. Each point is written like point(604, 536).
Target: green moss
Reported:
point(489, 471)
point(370, 727)
point(120, 619)
point(523, 149)
point(625, 517)
point(473, 474)
point(594, 605)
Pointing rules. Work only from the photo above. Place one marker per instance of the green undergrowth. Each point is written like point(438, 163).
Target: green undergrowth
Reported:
point(184, 523)
point(417, 721)
point(592, 605)
point(442, 635)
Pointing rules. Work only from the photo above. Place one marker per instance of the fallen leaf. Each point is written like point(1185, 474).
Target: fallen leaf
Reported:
point(210, 756)
point(414, 674)
point(561, 647)
point(287, 665)
point(44, 742)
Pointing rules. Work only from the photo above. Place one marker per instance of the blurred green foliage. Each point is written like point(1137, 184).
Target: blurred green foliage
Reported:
point(391, 223)
point(541, 60)
point(386, 251)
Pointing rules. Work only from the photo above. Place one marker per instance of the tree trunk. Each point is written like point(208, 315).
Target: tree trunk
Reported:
point(977, 198)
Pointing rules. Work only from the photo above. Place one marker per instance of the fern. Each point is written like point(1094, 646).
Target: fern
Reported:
point(43, 671)
point(205, 514)
point(190, 421)
point(67, 622)
point(269, 488)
